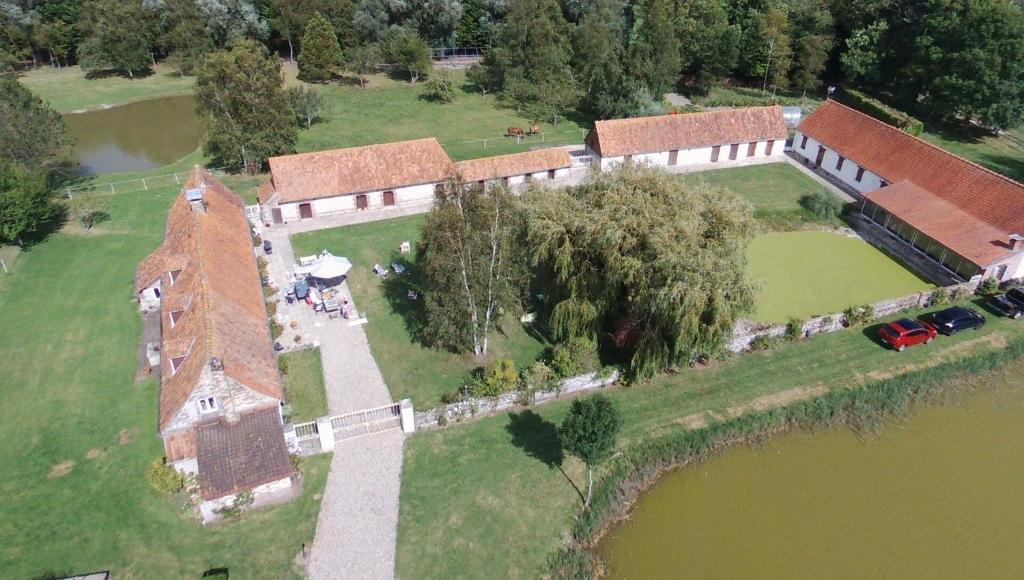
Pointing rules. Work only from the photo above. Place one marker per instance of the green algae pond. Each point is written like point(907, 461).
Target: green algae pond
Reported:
point(806, 273)
point(938, 494)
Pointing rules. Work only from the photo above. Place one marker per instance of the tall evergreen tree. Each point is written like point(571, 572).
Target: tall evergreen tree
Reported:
point(288, 18)
point(320, 51)
point(241, 92)
point(470, 32)
point(654, 54)
point(607, 92)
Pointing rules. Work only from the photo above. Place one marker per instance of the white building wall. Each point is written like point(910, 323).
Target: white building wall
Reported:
point(848, 174)
point(345, 203)
point(701, 155)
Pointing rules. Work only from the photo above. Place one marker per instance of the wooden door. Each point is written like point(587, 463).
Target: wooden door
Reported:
point(821, 155)
point(734, 150)
point(714, 153)
point(362, 202)
point(389, 198)
point(768, 147)
point(275, 214)
point(305, 211)
point(673, 157)
point(751, 148)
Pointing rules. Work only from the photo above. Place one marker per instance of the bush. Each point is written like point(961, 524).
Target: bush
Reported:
point(859, 315)
point(234, 510)
point(574, 357)
point(939, 297)
point(822, 205)
point(880, 111)
point(959, 293)
point(764, 342)
point(440, 87)
point(538, 377)
point(275, 328)
point(794, 329)
point(988, 287)
point(271, 309)
point(498, 377)
point(163, 477)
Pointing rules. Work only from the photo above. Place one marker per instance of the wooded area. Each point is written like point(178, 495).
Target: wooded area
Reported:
point(939, 59)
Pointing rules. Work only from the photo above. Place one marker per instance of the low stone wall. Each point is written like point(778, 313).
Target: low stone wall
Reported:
point(747, 331)
point(466, 410)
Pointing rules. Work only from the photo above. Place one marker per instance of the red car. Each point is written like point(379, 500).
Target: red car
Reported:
point(905, 332)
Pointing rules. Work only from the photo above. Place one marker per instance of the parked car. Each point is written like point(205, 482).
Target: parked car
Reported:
point(1010, 304)
point(955, 319)
point(905, 332)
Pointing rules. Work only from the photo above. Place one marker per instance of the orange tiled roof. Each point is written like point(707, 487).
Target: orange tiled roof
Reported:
point(944, 222)
point(687, 131)
point(897, 156)
point(359, 169)
point(514, 164)
point(218, 291)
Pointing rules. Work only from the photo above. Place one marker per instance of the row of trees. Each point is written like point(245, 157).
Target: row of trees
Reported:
point(634, 258)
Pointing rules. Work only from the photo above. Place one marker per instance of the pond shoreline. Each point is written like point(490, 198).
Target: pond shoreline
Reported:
point(637, 469)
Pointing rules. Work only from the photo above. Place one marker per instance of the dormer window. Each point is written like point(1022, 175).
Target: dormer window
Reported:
point(175, 316)
point(177, 362)
point(207, 405)
point(173, 275)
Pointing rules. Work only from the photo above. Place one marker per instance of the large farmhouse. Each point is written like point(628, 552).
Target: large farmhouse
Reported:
point(727, 137)
point(517, 168)
point(220, 392)
point(323, 183)
point(960, 215)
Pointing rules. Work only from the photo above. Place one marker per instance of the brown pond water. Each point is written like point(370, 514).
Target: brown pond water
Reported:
point(136, 136)
point(939, 494)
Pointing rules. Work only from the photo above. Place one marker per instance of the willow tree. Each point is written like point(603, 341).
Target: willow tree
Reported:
point(658, 263)
point(474, 264)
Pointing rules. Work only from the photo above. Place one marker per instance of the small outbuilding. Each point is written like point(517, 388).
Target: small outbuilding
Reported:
point(518, 168)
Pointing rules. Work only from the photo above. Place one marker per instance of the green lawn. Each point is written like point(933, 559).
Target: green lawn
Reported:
point(409, 369)
point(808, 273)
point(774, 189)
point(68, 90)
point(304, 384)
point(79, 431)
point(487, 499)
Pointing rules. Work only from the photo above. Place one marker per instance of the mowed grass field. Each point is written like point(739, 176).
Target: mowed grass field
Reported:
point(409, 368)
point(809, 273)
point(67, 89)
point(79, 431)
point(488, 499)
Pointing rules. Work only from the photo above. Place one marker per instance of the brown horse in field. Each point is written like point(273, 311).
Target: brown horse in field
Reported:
point(535, 130)
point(515, 132)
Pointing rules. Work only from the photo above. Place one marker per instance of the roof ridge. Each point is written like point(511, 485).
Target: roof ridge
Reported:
point(690, 114)
point(933, 146)
point(368, 145)
point(204, 287)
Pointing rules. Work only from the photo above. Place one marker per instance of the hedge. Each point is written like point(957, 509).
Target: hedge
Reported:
point(880, 111)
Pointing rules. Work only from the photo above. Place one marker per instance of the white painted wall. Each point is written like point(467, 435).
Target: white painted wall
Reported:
point(848, 174)
point(345, 203)
point(701, 156)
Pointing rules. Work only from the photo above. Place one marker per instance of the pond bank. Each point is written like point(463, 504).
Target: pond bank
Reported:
point(640, 466)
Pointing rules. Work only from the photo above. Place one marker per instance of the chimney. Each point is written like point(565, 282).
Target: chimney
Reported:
point(1016, 242)
point(195, 198)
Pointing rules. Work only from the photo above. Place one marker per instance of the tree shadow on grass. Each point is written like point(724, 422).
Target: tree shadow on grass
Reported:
point(399, 290)
point(538, 438)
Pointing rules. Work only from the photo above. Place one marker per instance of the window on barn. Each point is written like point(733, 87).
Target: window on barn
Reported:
point(551, 173)
point(803, 142)
point(839, 163)
point(207, 404)
point(751, 148)
point(504, 181)
point(715, 151)
point(768, 147)
point(176, 316)
point(528, 178)
point(176, 362)
point(389, 198)
point(860, 174)
point(673, 157)
point(883, 183)
point(173, 275)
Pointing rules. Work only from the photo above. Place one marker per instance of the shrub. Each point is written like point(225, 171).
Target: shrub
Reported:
point(880, 111)
point(959, 293)
point(764, 342)
point(939, 297)
point(234, 510)
point(822, 205)
point(456, 396)
point(574, 357)
point(163, 477)
point(538, 377)
point(988, 287)
point(440, 87)
point(282, 364)
point(271, 309)
point(275, 329)
point(794, 329)
point(261, 264)
point(298, 339)
point(498, 377)
point(859, 315)
point(269, 291)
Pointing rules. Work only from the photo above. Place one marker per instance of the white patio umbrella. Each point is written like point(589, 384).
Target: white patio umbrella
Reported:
point(330, 267)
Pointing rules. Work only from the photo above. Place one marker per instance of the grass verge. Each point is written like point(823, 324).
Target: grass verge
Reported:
point(67, 89)
point(499, 491)
point(409, 368)
point(861, 407)
point(304, 384)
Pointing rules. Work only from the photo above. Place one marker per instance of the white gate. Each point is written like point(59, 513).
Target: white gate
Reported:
point(253, 213)
point(367, 421)
point(307, 437)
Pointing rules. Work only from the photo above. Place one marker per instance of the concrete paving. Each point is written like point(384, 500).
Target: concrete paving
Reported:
point(357, 526)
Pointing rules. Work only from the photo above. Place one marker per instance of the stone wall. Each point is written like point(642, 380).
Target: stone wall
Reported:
point(747, 331)
point(470, 408)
